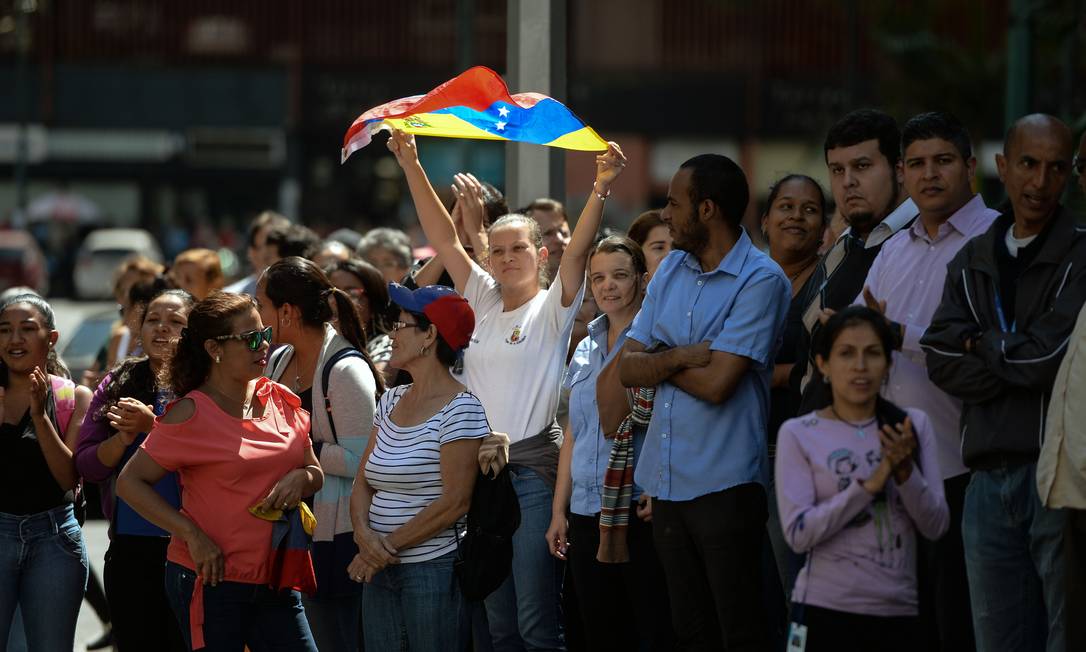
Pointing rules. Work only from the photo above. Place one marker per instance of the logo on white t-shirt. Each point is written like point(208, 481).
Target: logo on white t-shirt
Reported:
point(516, 337)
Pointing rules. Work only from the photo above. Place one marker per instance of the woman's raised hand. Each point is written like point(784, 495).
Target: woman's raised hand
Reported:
point(608, 166)
point(39, 392)
point(402, 146)
point(469, 195)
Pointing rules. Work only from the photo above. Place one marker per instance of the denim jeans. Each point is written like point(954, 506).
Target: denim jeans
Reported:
point(43, 569)
point(237, 614)
point(525, 613)
point(420, 601)
point(1015, 563)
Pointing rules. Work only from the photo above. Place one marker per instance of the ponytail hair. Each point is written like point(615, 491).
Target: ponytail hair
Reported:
point(190, 364)
point(301, 283)
point(53, 364)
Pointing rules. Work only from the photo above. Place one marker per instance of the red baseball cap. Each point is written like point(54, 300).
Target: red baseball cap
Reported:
point(443, 306)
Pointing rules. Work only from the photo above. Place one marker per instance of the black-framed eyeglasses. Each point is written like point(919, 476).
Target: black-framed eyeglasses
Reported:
point(397, 325)
point(1079, 165)
point(252, 339)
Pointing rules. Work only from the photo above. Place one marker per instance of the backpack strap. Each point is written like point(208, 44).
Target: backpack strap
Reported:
point(276, 358)
point(63, 408)
point(63, 401)
point(326, 373)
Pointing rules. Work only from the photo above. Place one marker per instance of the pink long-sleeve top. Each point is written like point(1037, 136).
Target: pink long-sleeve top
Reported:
point(861, 547)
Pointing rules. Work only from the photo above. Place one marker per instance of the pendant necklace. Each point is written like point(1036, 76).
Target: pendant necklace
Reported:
point(858, 426)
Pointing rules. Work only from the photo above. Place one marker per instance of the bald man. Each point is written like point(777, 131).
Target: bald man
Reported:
point(1010, 301)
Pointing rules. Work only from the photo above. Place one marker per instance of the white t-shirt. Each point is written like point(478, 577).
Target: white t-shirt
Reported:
point(405, 466)
point(1014, 244)
point(516, 359)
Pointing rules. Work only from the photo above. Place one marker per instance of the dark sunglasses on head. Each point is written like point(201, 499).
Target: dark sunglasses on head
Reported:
point(252, 339)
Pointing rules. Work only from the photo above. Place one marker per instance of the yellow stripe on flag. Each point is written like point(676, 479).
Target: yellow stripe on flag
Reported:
point(440, 124)
point(584, 139)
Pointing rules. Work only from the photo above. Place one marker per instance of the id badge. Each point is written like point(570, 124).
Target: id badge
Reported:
point(797, 638)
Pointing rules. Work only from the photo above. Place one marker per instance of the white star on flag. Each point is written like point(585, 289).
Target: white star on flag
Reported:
point(503, 112)
point(501, 126)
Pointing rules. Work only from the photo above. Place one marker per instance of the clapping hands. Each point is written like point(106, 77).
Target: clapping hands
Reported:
point(129, 418)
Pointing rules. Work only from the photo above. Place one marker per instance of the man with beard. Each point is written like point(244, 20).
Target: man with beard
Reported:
point(996, 342)
point(863, 152)
point(906, 283)
point(705, 338)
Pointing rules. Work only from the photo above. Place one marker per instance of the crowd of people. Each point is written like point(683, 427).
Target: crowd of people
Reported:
point(868, 436)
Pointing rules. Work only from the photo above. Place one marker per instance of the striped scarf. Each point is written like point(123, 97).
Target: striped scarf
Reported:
point(618, 481)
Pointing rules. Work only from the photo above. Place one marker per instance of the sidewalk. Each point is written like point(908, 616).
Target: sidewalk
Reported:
point(89, 628)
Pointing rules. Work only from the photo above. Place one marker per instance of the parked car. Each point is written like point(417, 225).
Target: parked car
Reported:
point(83, 349)
point(102, 252)
point(22, 262)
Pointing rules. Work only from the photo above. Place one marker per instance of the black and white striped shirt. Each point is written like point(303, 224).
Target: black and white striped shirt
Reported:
point(404, 468)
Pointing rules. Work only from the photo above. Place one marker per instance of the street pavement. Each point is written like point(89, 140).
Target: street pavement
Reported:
point(96, 538)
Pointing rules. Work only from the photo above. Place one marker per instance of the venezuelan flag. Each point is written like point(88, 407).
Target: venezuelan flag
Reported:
point(477, 104)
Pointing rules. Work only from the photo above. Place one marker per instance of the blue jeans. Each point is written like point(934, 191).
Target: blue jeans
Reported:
point(43, 570)
point(525, 613)
point(1014, 560)
point(420, 601)
point(237, 614)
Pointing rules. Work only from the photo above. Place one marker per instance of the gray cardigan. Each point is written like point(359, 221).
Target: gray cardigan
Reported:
point(351, 390)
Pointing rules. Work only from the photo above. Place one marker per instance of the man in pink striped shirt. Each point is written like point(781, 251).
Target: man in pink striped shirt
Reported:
point(906, 282)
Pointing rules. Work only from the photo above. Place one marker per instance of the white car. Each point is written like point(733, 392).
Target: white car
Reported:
point(102, 252)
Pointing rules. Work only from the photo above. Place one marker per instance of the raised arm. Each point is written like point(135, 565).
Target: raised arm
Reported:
point(58, 448)
point(468, 216)
point(575, 258)
point(435, 220)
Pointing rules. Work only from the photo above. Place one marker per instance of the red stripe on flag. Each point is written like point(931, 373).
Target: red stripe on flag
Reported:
point(477, 88)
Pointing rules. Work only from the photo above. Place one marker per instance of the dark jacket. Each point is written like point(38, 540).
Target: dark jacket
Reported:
point(1005, 381)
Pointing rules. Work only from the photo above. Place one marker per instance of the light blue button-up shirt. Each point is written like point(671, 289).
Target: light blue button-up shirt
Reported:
point(590, 450)
point(693, 447)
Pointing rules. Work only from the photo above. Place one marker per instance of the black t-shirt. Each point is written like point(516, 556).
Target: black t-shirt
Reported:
point(27, 486)
point(779, 400)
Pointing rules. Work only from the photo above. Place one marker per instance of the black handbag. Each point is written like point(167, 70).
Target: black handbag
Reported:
point(484, 553)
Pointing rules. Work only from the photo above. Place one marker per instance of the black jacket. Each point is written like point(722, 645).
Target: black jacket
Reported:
point(1005, 381)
